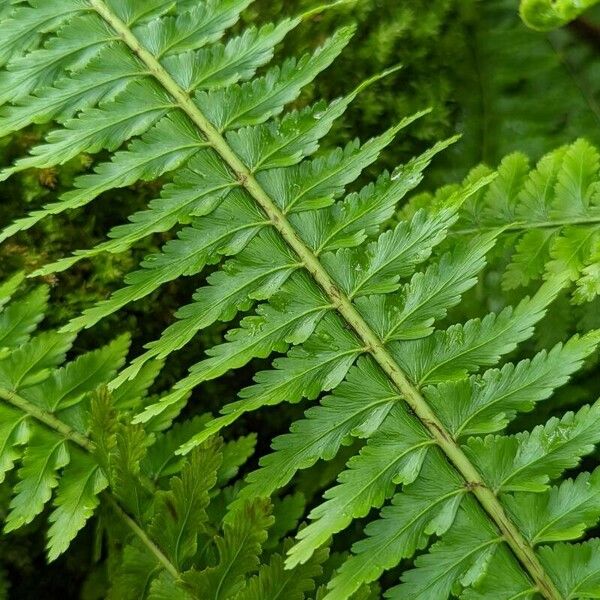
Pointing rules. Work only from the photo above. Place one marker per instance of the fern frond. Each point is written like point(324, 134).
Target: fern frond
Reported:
point(46, 428)
point(184, 557)
point(551, 216)
point(44, 416)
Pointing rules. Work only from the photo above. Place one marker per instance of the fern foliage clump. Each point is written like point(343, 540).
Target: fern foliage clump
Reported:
point(44, 406)
point(67, 449)
point(194, 548)
point(520, 90)
point(549, 216)
point(355, 313)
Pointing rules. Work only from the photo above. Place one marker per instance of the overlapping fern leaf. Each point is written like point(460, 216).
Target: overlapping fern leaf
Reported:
point(355, 307)
point(550, 216)
point(44, 425)
point(193, 548)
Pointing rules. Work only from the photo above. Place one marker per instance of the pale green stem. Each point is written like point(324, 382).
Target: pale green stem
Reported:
point(520, 226)
point(47, 418)
point(143, 537)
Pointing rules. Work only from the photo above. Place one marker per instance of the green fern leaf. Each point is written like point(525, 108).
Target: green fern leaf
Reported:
point(529, 461)
point(487, 403)
point(44, 455)
point(560, 514)
point(582, 579)
point(15, 433)
point(551, 215)
point(180, 512)
point(457, 561)
point(428, 506)
point(326, 427)
point(238, 552)
point(75, 502)
point(368, 481)
point(503, 579)
point(18, 320)
point(273, 581)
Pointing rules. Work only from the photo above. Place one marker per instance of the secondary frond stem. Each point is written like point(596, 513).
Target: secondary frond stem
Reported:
point(344, 306)
point(143, 536)
point(47, 419)
point(52, 422)
point(524, 226)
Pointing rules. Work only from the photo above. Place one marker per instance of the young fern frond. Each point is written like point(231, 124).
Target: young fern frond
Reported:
point(544, 15)
point(191, 560)
point(357, 302)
